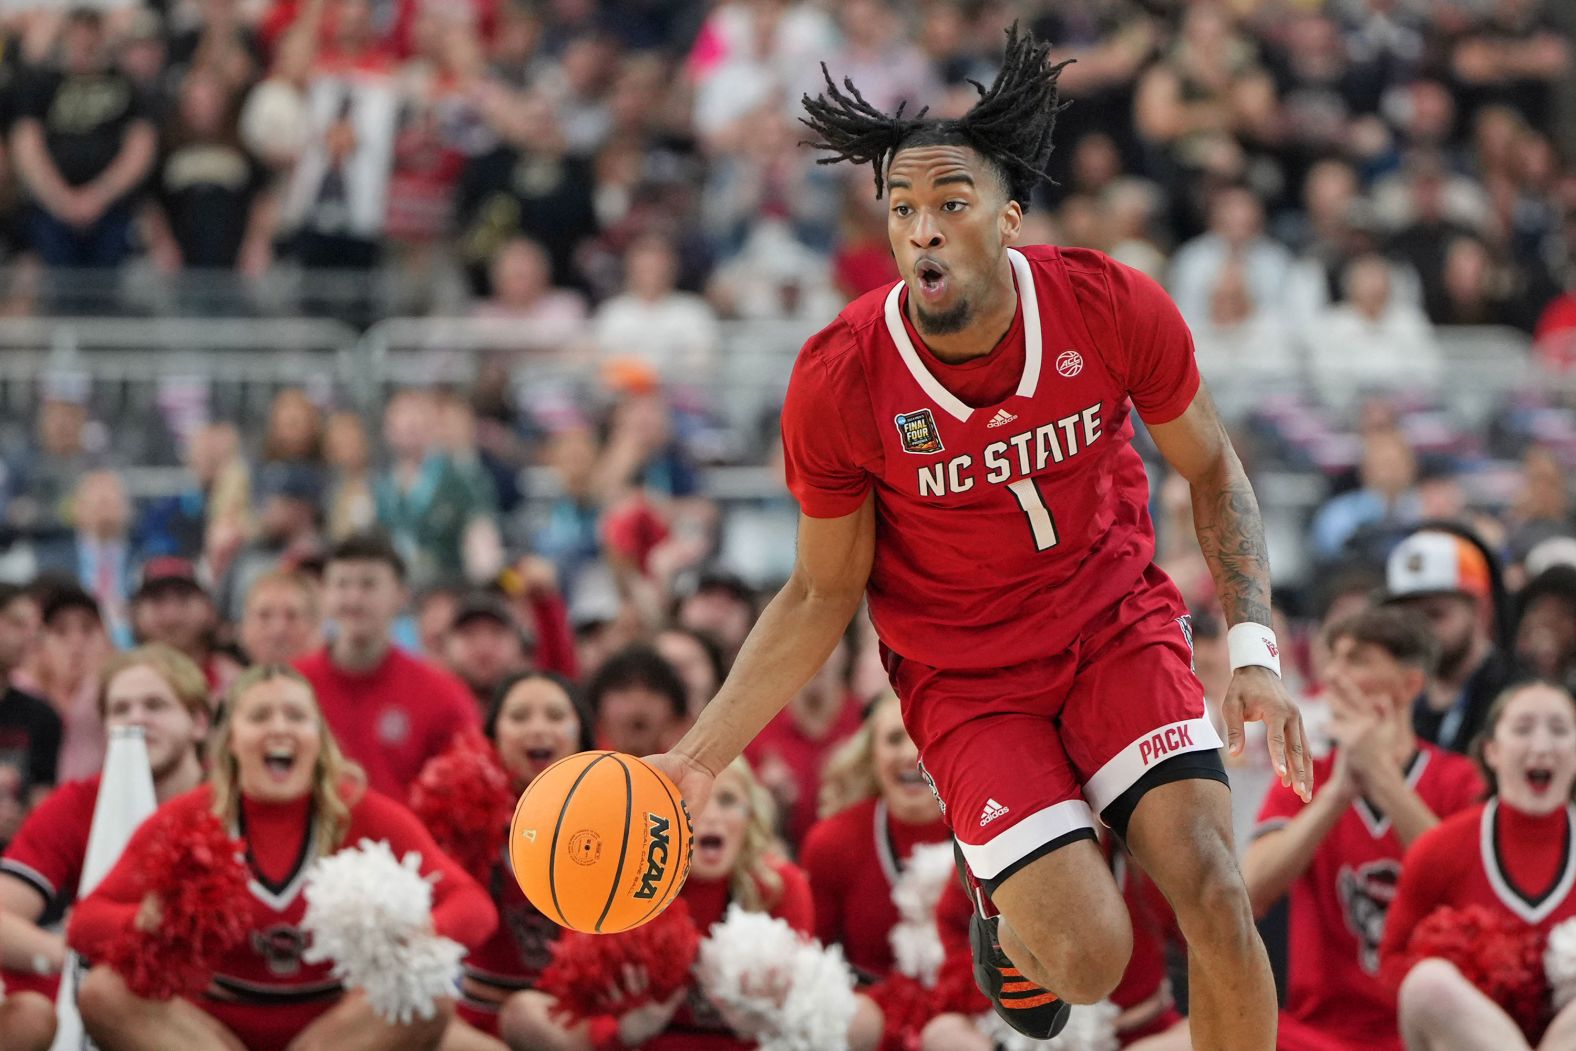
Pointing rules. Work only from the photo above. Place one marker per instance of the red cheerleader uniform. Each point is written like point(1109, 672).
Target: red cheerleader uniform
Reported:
point(512, 958)
point(697, 1026)
point(1144, 989)
point(853, 859)
point(47, 854)
point(1512, 863)
point(262, 990)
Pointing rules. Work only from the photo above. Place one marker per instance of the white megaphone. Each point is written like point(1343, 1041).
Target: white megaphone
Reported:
point(125, 799)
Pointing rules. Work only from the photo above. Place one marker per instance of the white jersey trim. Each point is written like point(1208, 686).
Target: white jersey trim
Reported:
point(1533, 913)
point(1033, 832)
point(1124, 768)
point(1028, 302)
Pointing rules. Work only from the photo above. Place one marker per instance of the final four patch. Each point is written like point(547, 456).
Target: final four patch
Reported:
point(918, 431)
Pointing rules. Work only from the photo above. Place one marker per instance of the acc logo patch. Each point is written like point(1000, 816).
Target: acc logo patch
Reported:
point(918, 432)
point(1069, 363)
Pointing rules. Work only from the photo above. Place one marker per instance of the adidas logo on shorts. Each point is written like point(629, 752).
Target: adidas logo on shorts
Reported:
point(992, 811)
point(1001, 418)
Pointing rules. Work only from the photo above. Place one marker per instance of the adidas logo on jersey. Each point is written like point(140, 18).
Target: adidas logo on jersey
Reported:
point(992, 811)
point(1001, 419)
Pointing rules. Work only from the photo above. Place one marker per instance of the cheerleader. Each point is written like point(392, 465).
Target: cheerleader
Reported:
point(1513, 855)
point(734, 861)
point(280, 784)
point(535, 720)
point(876, 808)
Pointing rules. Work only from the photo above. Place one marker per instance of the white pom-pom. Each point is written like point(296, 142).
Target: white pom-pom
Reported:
point(1559, 963)
point(371, 915)
point(916, 944)
point(774, 986)
point(1091, 1028)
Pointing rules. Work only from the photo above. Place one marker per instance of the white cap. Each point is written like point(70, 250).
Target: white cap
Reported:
point(1430, 562)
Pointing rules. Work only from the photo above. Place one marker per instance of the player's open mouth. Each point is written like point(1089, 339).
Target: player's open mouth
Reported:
point(932, 279)
point(1540, 779)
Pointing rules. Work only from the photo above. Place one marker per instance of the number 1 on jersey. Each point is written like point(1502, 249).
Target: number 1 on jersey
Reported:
point(1040, 521)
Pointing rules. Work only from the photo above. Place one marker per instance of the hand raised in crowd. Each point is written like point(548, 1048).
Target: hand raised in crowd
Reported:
point(1364, 730)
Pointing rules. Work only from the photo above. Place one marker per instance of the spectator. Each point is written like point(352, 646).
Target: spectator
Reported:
point(1372, 338)
point(29, 727)
point(217, 37)
point(542, 317)
point(638, 702)
point(281, 618)
point(430, 508)
point(1428, 229)
point(83, 144)
point(1475, 289)
point(723, 606)
point(66, 675)
point(1542, 504)
point(1241, 343)
point(100, 556)
point(1491, 856)
point(531, 588)
point(533, 720)
point(172, 607)
point(211, 208)
point(697, 660)
point(673, 332)
point(223, 498)
point(792, 750)
point(552, 207)
point(164, 694)
point(48, 470)
point(1236, 231)
point(1385, 496)
point(392, 711)
point(485, 645)
point(1546, 628)
point(1339, 856)
point(347, 452)
point(872, 782)
point(295, 430)
point(484, 475)
point(287, 532)
point(1447, 579)
point(312, 808)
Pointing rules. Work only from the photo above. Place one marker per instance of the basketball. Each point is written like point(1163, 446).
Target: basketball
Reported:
point(600, 842)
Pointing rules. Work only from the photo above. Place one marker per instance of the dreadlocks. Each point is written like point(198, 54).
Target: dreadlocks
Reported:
point(1010, 125)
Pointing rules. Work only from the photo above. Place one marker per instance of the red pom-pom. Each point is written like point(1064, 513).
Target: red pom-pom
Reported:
point(906, 1007)
point(1500, 955)
point(465, 798)
point(955, 991)
point(193, 868)
point(588, 968)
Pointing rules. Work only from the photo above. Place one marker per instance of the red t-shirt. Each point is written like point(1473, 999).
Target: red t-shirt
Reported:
point(783, 741)
point(1491, 855)
point(394, 718)
point(853, 859)
point(280, 852)
point(47, 854)
point(1010, 503)
point(1334, 998)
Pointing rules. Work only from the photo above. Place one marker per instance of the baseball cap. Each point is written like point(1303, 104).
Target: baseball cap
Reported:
point(483, 606)
point(167, 573)
point(64, 597)
point(1430, 562)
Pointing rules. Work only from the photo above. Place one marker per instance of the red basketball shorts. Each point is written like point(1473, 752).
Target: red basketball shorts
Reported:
point(1023, 756)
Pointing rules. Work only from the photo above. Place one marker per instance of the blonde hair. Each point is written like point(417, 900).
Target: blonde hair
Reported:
point(332, 809)
point(171, 665)
point(755, 884)
point(849, 775)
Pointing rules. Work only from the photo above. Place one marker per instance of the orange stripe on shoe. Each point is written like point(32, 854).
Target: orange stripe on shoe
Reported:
point(1020, 987)
point(1029, 1002)
point(1010, 972)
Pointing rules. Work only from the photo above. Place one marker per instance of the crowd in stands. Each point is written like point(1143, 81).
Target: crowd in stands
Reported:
point(1323, 187)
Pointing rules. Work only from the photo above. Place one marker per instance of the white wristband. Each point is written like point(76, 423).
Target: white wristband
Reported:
point(1249, 643)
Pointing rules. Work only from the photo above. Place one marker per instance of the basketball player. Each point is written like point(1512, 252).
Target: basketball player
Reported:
point(960, 446)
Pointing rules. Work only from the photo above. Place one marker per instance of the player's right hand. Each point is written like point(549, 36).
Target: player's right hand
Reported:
point(694, 781)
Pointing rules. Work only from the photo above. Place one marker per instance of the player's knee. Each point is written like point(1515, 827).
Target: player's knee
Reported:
point(1430, 994)
point(1082, 966)
point(1095, 977)
point(1212, 900)
point(27, 1023)
point(102, 999)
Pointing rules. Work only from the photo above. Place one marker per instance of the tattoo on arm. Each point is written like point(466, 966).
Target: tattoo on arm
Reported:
point(1231, 535)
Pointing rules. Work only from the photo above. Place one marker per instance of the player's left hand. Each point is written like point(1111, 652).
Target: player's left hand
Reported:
point(1258, 695)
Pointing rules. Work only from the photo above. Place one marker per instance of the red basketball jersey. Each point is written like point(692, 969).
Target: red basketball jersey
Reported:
point(1339, 905)
point(1010, 503)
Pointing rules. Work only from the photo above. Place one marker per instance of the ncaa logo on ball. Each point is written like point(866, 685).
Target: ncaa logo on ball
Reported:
point(1069, 363)
point(656, 856)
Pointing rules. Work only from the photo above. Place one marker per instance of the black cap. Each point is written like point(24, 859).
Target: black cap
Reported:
point(68, 597)
point(483, 605)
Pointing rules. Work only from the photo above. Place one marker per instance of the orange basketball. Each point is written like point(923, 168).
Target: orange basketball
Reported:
point(600, 842)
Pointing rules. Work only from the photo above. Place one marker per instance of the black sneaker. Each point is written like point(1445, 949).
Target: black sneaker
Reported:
point(1028, 1008)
